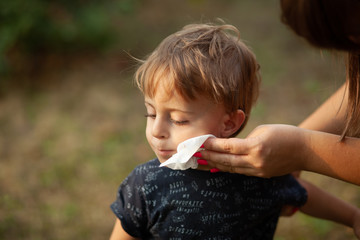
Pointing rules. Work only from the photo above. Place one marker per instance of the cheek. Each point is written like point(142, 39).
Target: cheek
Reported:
point(185, 134)
point(182, 135)
point(216, 128)
point(148, 131)
point(211, 125)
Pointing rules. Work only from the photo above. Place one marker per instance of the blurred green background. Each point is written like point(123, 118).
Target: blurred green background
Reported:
point(71, 120)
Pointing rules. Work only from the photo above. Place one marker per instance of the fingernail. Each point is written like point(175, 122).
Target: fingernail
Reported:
point(202, 162)
point(202, 146)
point(214, 170)
point(197, 154)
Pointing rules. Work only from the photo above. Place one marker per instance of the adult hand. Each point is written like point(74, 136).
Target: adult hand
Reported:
point(269, 150)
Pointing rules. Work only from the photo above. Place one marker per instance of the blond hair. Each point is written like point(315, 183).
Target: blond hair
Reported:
point(204, 60)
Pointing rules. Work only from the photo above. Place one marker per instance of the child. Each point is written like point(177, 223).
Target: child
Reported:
point(203, 80)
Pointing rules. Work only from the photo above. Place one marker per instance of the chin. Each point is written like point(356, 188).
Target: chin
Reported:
point(162, 159)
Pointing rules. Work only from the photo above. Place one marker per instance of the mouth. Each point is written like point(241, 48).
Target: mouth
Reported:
point(164, 153)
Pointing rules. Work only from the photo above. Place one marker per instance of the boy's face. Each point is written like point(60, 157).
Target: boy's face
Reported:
point(172, 120)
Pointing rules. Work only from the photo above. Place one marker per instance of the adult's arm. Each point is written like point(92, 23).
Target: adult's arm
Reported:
point(321, 204)
point(273, 150)
point(330, 116)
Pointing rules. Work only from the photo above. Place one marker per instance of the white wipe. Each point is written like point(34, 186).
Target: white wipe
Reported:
point(184, 159)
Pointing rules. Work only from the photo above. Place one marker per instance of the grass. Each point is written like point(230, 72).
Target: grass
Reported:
point(64, 152)
point(66, 144)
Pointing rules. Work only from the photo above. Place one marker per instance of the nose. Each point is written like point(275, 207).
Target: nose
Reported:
point(160, 128)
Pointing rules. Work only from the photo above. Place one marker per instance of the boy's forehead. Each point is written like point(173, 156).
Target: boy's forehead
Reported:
point(163, 93)
point(176, 103)
point(163, 87)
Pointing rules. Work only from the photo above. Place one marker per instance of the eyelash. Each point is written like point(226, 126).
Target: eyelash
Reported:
point(180, 123)
point(150, 115)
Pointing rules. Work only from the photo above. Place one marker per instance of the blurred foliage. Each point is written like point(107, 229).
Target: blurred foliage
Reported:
point(39, 26)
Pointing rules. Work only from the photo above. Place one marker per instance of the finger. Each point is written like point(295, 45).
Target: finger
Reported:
point(238, 170)
point(222, 168)
point(228, 145)
point(234, 164)
point(288, 211)
point(226, 162)
point(225, 159)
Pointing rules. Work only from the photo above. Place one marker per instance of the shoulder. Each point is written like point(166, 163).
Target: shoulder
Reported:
point(145, 175)
point(148, 166)
point(136, 185)
point(288, 189)
point(279, 187)
point(145, 168)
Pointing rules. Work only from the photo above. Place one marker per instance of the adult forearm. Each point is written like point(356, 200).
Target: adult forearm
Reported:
point(330, 116)
point(321, 204)
point(326, 154)
point(274, 150)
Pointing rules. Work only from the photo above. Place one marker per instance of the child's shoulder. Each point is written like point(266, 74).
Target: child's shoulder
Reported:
point(144, 169)
point(145, 177)
point(148, 166)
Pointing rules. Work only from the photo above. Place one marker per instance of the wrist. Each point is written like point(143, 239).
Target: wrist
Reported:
point(304, 143)
point(308, 154)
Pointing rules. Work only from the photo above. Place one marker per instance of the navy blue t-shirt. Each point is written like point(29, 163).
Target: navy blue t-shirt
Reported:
point(160, 203)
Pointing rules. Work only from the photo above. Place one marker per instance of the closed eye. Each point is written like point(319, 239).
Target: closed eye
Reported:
point(180, 123)
point(147, 115)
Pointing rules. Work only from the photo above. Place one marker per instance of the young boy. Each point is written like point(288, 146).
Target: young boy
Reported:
point(203, 80)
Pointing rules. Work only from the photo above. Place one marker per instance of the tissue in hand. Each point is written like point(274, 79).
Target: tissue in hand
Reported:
point(184, 159)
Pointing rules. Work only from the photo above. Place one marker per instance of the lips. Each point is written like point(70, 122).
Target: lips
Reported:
point(164, 153)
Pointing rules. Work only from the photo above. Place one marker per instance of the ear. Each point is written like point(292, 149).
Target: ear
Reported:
point(232, 122)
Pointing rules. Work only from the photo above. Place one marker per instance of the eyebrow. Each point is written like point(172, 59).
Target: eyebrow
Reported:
point(171, 109)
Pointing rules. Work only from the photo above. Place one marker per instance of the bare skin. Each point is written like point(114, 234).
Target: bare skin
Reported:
point(273, 150)
point(335, 209)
